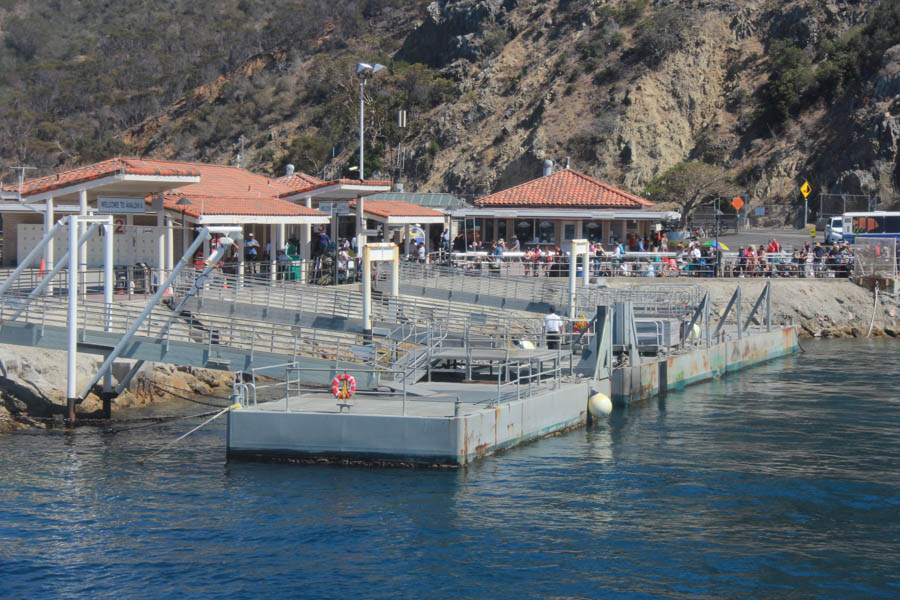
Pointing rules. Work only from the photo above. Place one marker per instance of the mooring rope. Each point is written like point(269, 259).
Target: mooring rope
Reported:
point(181, 437)
point(874, 307)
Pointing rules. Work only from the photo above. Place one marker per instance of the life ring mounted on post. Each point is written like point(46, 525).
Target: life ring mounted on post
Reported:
point(343, 386)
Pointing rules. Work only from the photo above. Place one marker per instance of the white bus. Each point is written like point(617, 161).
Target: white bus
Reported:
point(877, 224)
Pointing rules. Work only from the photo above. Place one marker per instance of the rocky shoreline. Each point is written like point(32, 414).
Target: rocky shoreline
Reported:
point(32, 387)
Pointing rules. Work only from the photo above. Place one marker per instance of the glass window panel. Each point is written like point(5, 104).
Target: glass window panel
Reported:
point(525, 230)
point(547, 232)
point(593, 231)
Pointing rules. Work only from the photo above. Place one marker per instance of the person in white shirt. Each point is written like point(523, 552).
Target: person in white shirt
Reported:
point(421, 252)
point(552, 326)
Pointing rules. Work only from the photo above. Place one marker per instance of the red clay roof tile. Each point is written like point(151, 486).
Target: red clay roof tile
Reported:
point(367, 183)
point(106, 168)
point(564, 189)
point(298, 180)
point(395, 208)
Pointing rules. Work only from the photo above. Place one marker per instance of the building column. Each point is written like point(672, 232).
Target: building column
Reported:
point(82, 250)
point(273, 252)
point(282, 239)
point(48, 225)
point(406, 240)
point(579, 229)
point(360, 222)
point(160, 240)
point(170, 245)
point(240, 260)
point(604, 229)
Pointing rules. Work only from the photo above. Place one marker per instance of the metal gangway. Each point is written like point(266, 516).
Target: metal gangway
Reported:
point(538, 293)
point(340, 307)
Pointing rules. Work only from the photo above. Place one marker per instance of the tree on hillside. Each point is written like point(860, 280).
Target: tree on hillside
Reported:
point(691, 184)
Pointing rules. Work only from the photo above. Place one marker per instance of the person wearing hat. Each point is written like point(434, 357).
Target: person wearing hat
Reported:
point(818, 253)
point(251, 251)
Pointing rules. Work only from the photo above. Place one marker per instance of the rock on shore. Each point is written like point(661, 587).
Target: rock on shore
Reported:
point(33, 387)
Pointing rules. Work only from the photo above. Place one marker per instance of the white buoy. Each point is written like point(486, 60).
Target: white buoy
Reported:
point(600, 405)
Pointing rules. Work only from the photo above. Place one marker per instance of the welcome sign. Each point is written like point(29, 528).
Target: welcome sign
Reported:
point(120, 205)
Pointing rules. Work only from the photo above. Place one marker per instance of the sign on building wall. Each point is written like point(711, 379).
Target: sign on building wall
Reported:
point(335, 208)
point(120, 205)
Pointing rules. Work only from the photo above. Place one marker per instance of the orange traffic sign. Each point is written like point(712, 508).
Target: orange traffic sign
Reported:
point(805, 189)
point(737, 203)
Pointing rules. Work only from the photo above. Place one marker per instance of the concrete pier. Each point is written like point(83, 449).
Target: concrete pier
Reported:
point(656, 376)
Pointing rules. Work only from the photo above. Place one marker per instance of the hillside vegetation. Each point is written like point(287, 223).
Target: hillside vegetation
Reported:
point(767, 93)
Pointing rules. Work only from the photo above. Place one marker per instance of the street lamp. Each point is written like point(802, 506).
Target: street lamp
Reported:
point(363, 71)
point(183, 202)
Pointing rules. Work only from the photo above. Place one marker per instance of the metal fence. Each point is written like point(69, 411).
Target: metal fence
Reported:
point(875, 257)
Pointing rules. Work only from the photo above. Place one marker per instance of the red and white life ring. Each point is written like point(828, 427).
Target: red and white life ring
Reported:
point(343, 386)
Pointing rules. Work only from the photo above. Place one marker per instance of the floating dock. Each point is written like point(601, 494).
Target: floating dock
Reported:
point(456, 425)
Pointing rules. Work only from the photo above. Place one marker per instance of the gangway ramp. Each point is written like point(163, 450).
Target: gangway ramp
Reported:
point(194, 339)
point(537, 294)
point(340, 308)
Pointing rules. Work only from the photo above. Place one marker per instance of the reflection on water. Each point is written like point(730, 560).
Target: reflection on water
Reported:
point(779, 481)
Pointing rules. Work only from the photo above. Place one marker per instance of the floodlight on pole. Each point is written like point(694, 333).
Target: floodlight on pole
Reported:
point(364, 71)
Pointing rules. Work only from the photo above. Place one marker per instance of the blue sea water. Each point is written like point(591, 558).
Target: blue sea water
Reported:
point(782, 481)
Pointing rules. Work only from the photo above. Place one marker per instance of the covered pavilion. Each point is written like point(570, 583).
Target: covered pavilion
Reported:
point(557, 208)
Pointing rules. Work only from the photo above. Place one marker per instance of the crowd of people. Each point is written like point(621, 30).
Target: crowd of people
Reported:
point(691, 258)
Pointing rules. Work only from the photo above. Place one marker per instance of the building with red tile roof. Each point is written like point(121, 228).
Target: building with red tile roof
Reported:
point(116, 175)
point(565, 189)
point(557, 208)
point(196, 193)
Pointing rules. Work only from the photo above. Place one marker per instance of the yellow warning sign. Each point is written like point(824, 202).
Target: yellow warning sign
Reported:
point(805, 189)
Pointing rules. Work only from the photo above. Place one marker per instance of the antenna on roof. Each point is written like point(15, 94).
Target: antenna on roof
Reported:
point(21, 177)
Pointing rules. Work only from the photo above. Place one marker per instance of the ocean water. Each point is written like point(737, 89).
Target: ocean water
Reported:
point(782, 481)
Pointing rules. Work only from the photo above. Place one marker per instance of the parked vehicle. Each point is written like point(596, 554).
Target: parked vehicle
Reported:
point(834, 230)
point(870, 224)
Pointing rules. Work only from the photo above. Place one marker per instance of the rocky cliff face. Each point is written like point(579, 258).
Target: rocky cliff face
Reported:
point(627, 116)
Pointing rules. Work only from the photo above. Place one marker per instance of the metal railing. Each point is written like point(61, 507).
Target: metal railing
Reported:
point(549, 290)
point(204, 329)
point(524, 379)
point(347, 303)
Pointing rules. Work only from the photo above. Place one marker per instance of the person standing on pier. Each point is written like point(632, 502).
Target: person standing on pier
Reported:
point(552, 326)
point(251, 249)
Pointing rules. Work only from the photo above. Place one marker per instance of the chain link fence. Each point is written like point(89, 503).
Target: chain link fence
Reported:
point(875, 257)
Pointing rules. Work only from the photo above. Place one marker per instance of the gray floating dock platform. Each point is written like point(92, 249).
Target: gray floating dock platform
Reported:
point(314, 428)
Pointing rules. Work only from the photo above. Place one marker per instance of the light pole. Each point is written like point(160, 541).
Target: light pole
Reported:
point(183, 202)
point(363, 71)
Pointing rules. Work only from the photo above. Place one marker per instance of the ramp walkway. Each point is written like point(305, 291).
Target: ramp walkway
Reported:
point(537, 294)
point(340, 308)
point(194, 339)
